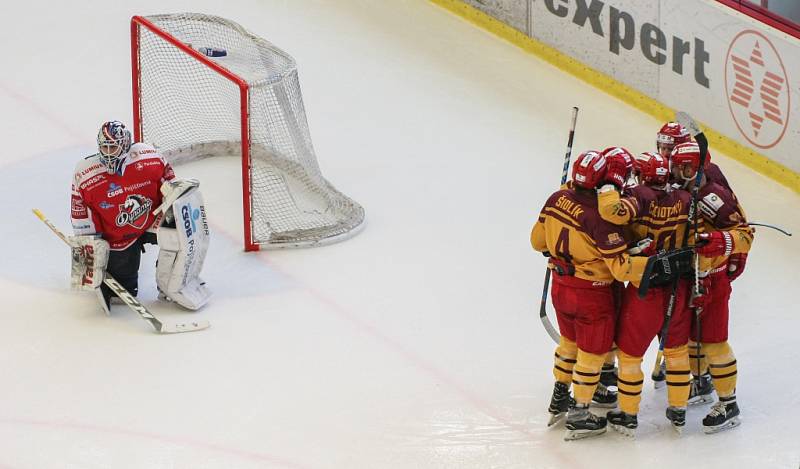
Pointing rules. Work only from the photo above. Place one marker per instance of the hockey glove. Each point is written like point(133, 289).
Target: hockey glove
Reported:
point(617, 171)
point(645, 247)
point(670, 265)
point(717, 243)
point(701, 299)
point(736, 265)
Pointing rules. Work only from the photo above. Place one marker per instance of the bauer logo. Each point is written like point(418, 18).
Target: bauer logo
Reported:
point(757, 89)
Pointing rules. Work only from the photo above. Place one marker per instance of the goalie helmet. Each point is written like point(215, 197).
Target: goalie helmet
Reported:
point(671, 134)
point(651, 169)
point(113, 142)
point(589, 169)
point(685, 160)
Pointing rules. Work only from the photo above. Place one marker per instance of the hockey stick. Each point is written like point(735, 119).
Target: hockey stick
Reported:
point(776, 228)
point(691, 221)
point(548, 326)
point(129, 299)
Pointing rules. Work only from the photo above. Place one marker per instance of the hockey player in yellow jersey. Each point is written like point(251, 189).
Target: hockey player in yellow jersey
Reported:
point(724, 233)
point(659, 214)
point(587, 255)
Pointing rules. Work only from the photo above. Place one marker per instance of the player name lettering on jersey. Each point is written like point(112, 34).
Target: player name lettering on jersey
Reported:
point(571, 208)
point(657, 211)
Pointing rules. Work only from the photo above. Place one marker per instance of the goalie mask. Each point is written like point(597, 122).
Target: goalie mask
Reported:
point(113, 142)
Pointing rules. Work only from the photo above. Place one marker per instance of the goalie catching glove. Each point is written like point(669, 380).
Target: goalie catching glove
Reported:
point(183, 238)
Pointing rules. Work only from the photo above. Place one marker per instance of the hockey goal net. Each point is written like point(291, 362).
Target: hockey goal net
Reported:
point(204, 86)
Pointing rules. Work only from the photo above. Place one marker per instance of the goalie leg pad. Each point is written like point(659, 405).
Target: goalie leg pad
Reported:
point(183, 248)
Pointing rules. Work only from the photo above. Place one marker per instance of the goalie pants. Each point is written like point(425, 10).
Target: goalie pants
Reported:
point(124, 266)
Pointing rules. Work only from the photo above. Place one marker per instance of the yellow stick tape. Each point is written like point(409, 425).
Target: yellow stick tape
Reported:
point(609, 85)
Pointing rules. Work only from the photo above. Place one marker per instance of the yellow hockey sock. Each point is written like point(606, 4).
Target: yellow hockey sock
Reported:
point(678, 375)
point(629, 382)
point(566, 356)
point(586, 375)
point(722, 365)
point(694, 354)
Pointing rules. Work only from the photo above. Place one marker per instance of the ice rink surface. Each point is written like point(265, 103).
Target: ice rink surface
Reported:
point(415, 344)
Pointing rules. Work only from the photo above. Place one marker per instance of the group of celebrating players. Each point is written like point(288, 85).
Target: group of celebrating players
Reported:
point(674, 208)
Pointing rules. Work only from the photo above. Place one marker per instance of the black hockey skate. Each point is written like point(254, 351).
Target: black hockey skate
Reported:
point(660, 377)
point(622, 422)
point(677, 417)
point(604, 397)
point(608, 375)
point(724, 415)
point(582, 424)
point(560, 403)
point(701, 389)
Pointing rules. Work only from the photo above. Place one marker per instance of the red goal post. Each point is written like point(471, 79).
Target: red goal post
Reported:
point(245, 102)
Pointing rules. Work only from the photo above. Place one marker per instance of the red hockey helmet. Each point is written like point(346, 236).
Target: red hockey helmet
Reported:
point(589, 169)
point(685, 160)
point(652, 168)
point(671, 134)
point(624, 153)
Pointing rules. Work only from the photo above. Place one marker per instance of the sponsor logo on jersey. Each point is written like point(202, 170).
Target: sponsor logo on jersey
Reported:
point(137, 186)
point(78, 209)
point(114, 190)
point(134, 211)
point(92, 181)
point(149, 162)
point(104, 204)
point(614, 238)
point(92, 168)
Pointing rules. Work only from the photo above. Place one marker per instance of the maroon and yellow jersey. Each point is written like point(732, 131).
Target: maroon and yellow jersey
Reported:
point(648, 213)
point(571, 230)
point(720, 210)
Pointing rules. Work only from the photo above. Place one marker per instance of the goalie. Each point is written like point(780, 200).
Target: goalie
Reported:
point(124, 197)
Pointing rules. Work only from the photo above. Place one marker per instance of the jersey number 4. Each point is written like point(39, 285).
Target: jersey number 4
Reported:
point(562, 245)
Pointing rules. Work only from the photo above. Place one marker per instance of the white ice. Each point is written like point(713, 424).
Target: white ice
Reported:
point(417, 343)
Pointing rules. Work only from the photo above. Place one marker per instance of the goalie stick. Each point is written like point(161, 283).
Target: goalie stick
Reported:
point(129, 299)
point(548, 326)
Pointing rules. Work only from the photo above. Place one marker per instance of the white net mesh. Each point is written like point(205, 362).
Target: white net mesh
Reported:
point(190, 111)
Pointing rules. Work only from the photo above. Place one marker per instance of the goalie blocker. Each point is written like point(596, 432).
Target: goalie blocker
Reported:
point(183, 238)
